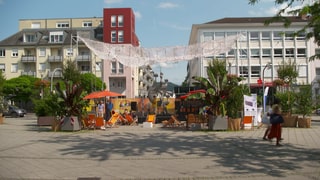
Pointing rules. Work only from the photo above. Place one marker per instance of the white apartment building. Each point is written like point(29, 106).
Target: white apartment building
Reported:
point(257, 46)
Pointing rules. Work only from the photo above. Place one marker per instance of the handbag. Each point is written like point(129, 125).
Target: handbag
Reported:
point(266, 119)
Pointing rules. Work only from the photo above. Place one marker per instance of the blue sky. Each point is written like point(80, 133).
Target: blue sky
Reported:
point(159, 23)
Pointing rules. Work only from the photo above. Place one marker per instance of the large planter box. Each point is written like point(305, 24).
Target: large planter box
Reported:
point(45, 120)
point(234, 124)
point(290, 121)
point(304, 122)
point(70, 124)
point(1, 119)
point(220, 123)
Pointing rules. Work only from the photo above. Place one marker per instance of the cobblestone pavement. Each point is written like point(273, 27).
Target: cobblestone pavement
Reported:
point(126, 152)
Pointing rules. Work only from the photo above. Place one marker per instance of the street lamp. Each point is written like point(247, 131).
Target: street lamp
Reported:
point(268, 65)
point(54, 71)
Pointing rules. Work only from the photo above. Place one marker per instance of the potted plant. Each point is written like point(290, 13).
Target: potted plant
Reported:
point(69, 94)
point(304, 106)
point(218, 89)
point(235, 104)
point(287, 74)
point(45, 111)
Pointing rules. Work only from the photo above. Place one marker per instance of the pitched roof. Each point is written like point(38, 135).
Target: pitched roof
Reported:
point(42, 37)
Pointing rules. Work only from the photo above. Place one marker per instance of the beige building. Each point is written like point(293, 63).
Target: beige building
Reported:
point(257, 46)
point(42, 45)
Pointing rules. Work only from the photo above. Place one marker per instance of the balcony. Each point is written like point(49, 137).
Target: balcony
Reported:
point(28, 58)
point(29, 73)
point(83, 58)
point(52, 59)
point(55, 74)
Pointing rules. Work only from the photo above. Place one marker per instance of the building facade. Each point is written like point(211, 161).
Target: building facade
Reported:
point(41, 47)
point(119, 28)
point(256, 47)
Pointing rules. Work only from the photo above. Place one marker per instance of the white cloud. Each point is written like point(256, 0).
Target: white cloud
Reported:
point(137, 14)
point(167, 5)
point(112, 1)
point(175, 26)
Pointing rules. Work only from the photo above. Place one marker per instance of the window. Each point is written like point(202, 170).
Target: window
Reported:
point(243, 71)
point(113, 21)
point(113, 36)
point(318, 71)
point(301, 52)
point(266, 52)
point(120, 21)
point(98, 66)
point(243, 53)
point(208, 36)
point(42, 67)
point(120, 36)
point(218, 35)
point(317, 51)
point(277, 52)
point(277, 35)
point(42, 52)
point(255, 53)
point(120, 68)
point(85, 68)
point(255, 71)
point(87, 24)
point(69, 52)
point(62, 25)
point(2, 53)
point(2, 67)
point(114, 67)
point(289, 35)
point(29, 38)
point(231, 53)
point(301, 36)
point(289, 52)
point(56, 37)
point(14, 68)
point(265, 35)
point(254, 35)
point(35, 25)
point(14, 53)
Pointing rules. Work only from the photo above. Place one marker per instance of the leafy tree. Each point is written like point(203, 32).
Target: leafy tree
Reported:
point(3, 104)
point(304, 100)
point(20, 89)
point(313, 23)
point(91, 83)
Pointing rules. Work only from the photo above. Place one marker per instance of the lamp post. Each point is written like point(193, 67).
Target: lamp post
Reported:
point(54, 71)
point(268, 65)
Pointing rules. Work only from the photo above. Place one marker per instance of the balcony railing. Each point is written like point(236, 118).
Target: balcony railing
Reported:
point(55, 59)
point(29, 73)
point(55, 74)
point(28, 58)
point(83, 58)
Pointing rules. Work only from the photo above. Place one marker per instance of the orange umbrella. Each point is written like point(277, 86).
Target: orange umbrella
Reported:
point(101, 94)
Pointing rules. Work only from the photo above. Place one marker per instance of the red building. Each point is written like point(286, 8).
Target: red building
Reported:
point(119, 28)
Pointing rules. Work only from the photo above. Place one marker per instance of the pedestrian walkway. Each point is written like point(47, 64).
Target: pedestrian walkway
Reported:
point(132, 152)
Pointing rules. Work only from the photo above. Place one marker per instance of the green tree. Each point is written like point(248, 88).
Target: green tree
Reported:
point(313, 23)
point(21, 89)
point(3, 104)
point(91, 83)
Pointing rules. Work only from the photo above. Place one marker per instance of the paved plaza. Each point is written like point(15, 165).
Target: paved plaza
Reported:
point(133, 152)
